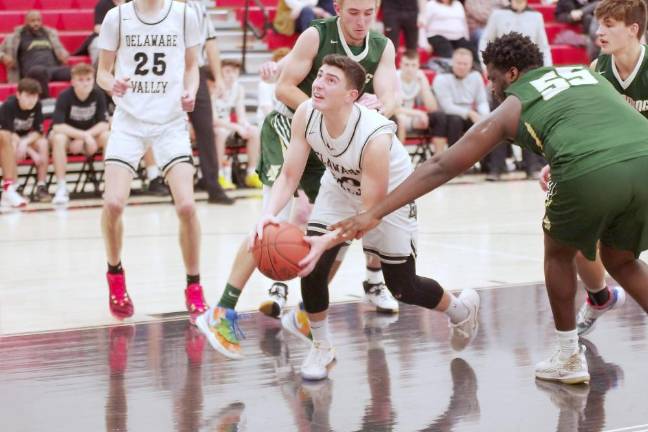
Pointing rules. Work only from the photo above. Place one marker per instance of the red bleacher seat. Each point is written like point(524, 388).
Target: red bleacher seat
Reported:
point(56, 4)
point(51, 19)
point(256, 15)
point(241, 3)
point(78, 59)
point(3, 73)
point(17, 4)
point(568, 55)
point(430, 74)
point(276, 40)
point(9, 20)
point(547, 11)
point(7, 90)
point(72, 40)
point(77, 20)
point(83, 4)
point(55, 88)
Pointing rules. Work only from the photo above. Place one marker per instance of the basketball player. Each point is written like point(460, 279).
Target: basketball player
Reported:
point(624, 62)
point(597, 155)
point(152, 45)
point(363, 159)
point(347, 35)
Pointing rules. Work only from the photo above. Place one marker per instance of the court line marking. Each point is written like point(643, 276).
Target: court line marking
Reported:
point(628, 428)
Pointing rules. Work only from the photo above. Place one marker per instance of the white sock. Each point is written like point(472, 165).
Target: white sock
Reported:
point(60, 184)
point(226, 171)
point(568, 342)
point(374, 276)
point(152, 172)
point(457, 311)
point(251, 170)
point(320, 331)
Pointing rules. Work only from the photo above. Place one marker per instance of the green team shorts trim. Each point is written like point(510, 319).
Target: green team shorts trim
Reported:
point(275, 137)
point(610, 204)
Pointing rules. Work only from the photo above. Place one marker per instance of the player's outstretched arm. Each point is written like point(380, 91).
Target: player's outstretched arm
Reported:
point(385, 81)
point(472, 147)
point(295, 68)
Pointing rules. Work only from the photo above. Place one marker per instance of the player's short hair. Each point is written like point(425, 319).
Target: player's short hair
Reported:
point(82, 69)
point(29, 85)
point(411, 54)
point(231, 63)
point(513, 50)
point(628, 11)
point(280, 53)
point(354, 73)
point(341, 2)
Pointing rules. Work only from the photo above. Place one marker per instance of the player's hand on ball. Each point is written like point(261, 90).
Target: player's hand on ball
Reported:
point(258, 229)
point(187, 101)
point(318, 245)
point(371, 101)
point(545, 177)
point(120, 86)
point(356, 226)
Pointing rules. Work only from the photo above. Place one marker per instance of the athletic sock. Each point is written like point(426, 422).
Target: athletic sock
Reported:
point(115, 269)
point(599, 298)
point(152, 172)
point(193, 279)
point(320, 332)
point(568, 343)
point(374, 275)
point(230, 297)
point(457, 311)
point(6, 184)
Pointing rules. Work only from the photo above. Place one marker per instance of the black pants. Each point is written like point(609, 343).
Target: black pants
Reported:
point(396, 21)
point(437, 124)
point(456, 126)
point(401, 279)
point(45, 74)
point(306, 15)
point(495, 161)
point(203, 123)
point(444, 47)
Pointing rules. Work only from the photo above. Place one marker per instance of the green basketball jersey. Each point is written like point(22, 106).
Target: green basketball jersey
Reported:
point(332, 42)
point(635, 88)
point(576, 120)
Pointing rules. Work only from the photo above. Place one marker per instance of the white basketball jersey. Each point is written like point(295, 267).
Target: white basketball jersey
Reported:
point(152, 55)
point(342, 156)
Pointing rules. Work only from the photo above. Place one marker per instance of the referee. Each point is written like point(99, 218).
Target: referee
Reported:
point(201, 117)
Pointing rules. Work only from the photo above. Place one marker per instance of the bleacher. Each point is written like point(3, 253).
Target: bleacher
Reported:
point(74, 20)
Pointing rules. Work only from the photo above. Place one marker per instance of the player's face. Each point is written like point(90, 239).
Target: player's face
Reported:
point(330, 90)
point(34, 21)
point(356, 17)
point(82, 84)
point(500, 81)
point(613, 36)
point(409, 67)
point(230, 75)
point(461, 65)
point(27, 101)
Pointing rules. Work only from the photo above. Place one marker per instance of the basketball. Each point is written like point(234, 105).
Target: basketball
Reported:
point(278, 254)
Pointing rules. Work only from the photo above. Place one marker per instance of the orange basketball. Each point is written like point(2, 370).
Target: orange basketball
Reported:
point(278, 254)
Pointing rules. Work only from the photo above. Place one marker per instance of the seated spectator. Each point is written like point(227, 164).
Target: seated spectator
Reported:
point(295, 16)
point(35, 51)
point(446, 27)
point(477, 14)
point(406, 16)
point(419, 109)
point(580, 12)
point(79, 124)
point(21, 125)
point(461, 95)
point(90, 46)
point(269, 75)
point(519, 17)
point(225, 99)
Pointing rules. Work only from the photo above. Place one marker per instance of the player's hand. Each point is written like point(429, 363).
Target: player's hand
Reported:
point(356, 226)
point(576, 14)
point(318, 245)
point(268, 70)
point(188, 102)
point(545, 177)
point(371, 101)
point(8, 61)
point(258, 229)
point(120, 86)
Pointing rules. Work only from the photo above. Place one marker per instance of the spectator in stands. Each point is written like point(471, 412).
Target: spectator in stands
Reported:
point(91, 45)
point(79, 126)
point(294, 16)
point(269, 75)
point(406, 16)
point(580, 12)
point(418, 110)
point(446, 27)
point(35, 51)
point(477, 14)
point(225, 99)
point(518, 17)
point(21, 126)
point(461, 95)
